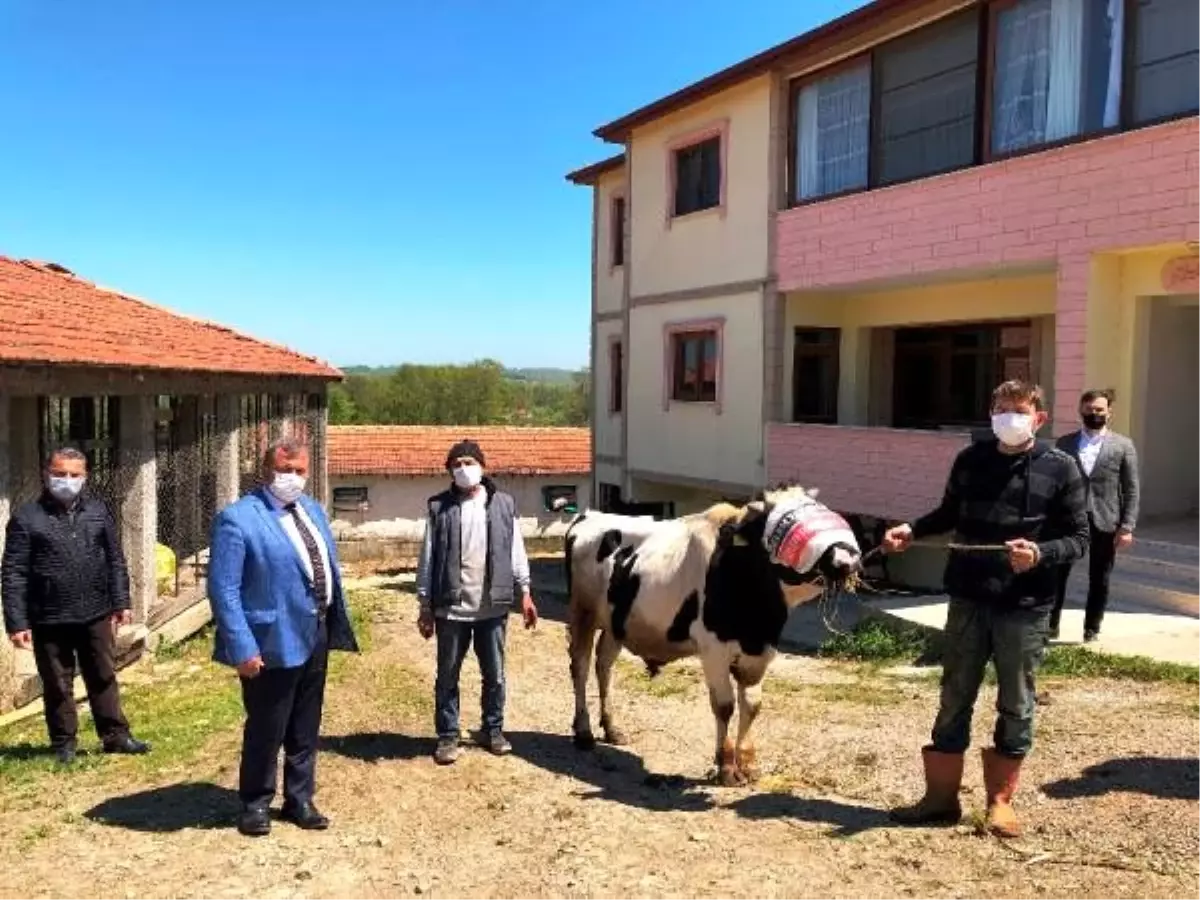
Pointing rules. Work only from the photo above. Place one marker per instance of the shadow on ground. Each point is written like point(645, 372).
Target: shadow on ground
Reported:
point(620, 776)
point(847, 820)
point(194, 804)
point(1163, 777)
point(376, 746)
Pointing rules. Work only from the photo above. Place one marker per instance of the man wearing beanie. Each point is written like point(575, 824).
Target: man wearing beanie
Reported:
point(472, 562)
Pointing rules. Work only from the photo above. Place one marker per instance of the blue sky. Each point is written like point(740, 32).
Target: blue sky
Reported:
point(371, 182)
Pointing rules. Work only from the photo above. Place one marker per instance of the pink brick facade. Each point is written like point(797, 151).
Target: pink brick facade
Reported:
point(1058, 208)
point(873, 471)
point(1135, 189)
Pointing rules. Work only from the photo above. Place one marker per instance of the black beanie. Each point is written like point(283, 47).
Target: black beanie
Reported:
point(465, 448)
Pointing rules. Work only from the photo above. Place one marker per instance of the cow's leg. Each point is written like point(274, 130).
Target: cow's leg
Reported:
point(720, 696)
point(581, 631)
point(749, 703)
point(606, 656)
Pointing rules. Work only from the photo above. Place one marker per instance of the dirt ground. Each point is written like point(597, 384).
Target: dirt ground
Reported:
point(1109, 798)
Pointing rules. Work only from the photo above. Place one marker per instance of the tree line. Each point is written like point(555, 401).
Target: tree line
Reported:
point(480, 393)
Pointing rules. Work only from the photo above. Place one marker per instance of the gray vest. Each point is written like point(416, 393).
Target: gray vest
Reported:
point(445, 570)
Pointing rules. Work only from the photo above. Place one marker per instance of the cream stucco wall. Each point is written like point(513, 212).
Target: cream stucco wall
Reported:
point(610, 280)
point(714, 246)
point(606, 424)
point(406, 498)
point(698, 441)
point(1030, 296)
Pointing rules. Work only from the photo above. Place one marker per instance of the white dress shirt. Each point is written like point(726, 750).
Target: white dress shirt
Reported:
point(293, 533)
point(1089, 449)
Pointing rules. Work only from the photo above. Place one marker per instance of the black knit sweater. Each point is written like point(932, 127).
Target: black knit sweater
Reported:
point(62, 566)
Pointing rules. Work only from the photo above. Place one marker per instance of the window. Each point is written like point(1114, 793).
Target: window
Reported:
point(926, 100)
point(698, 176)
point(945, 376)
point(560, 498)
point(618, 232)
point(815, 375)
point(1164, 73)
point(833, 133)
point(609, 496)
point(352, 498)
point(616, 376)
point(694, 366)
point(1056, 71)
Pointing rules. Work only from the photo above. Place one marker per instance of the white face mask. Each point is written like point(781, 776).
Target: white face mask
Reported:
point(1013, 429)
point(468, 477)
point(64, 488)
point(287, 486)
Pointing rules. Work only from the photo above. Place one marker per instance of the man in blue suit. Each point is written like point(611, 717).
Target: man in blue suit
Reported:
point(276, 595)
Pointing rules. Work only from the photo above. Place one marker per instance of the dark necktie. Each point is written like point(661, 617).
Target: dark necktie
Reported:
point(314, 554)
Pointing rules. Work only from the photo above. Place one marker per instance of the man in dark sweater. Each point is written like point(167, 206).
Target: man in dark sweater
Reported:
point(1026, 498)
point(65, 588)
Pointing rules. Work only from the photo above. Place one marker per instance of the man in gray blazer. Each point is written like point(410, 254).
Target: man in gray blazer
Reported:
point(1109, 465)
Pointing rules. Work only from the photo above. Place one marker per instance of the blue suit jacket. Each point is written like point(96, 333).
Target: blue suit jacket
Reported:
point(259, 590)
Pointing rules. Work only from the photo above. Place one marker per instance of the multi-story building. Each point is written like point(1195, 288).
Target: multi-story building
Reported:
point(815, 264)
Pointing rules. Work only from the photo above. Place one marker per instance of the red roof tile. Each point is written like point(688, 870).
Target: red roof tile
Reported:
point(421, 449)
point(48, 315)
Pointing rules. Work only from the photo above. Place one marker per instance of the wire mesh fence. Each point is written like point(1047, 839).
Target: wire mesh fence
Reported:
point(187, 443)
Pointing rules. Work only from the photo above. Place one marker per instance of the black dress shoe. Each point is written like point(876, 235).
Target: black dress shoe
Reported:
point(305, 816)
point(65, 755)
point(126, 744)
point(255, 821)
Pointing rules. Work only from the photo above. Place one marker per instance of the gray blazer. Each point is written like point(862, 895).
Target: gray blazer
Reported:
point(1113, 488)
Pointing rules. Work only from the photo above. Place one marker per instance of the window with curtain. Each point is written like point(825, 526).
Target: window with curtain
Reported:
point(833, 126)
point(1164, 74)
point(694, 366)
point(1056, 71)
point(926, 83)
point(698, 177)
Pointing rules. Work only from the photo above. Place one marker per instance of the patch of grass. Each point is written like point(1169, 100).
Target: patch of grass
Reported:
point(861, 693)
point(191, 704)
point(1079, 662)
point(671, 681)
point(880, 641)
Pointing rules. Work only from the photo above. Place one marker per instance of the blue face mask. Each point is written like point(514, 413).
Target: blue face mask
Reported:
point(64, 488)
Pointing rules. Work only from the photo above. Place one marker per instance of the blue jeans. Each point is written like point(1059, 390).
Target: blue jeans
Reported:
point(1014, 640)
point(453, 639)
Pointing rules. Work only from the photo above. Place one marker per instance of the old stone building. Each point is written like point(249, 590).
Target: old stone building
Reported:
point(172, 412)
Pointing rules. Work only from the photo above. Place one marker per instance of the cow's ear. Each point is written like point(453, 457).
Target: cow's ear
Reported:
point(754, 509)
point(814, 492)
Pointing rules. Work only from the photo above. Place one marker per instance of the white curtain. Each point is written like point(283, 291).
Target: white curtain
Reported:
point(1064, 97)
point(808, 156)
point(833, 119)
point(1022, 76)
point(1112, 96)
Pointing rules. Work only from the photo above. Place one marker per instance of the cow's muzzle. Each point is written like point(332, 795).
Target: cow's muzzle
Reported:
point(840, 563)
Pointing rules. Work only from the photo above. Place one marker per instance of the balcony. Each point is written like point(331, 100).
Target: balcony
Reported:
point(885, 472)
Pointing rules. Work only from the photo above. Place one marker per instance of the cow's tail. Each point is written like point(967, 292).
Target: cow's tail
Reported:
point(569, 552)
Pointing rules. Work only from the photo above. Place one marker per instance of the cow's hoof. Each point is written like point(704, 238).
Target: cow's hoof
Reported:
point(585, 740)
point(750, 774)
point(615, 736)
point(730, 776)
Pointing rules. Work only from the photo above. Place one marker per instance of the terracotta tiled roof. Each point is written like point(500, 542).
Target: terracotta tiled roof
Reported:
point(421, 449)
point(48, 315)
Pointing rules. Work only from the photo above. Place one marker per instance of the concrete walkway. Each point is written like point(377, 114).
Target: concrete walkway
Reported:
point(1161, 636)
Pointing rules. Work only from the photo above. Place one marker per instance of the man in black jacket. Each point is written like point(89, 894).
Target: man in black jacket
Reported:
point(65, 588)
point(1022, 502)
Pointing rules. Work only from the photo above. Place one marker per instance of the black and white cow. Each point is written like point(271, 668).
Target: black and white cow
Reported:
point(718, 584)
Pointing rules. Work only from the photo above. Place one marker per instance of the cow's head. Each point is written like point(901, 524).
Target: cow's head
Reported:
point(807, 542)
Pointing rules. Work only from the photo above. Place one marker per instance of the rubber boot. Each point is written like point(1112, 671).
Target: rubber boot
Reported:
point(939, 806)
point(1000, 777)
